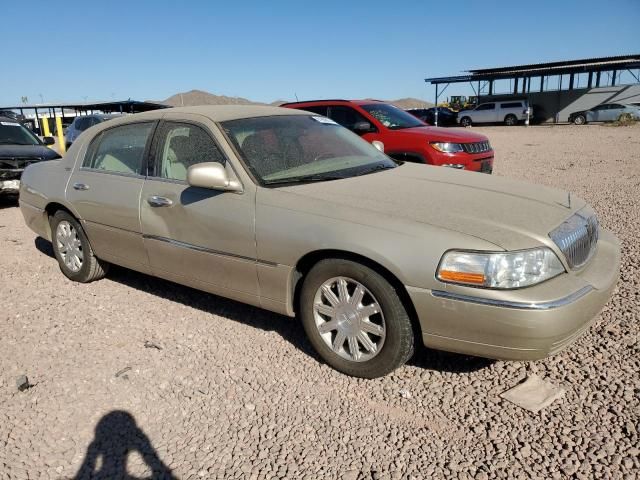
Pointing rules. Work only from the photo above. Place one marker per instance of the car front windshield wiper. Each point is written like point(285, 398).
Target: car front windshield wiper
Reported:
point(375, 168)
point(305, 179)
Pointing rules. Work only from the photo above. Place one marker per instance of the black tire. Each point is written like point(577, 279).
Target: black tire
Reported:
point(398, 346)
point(579, 120)
point(465, 121)
point(510, 120)
point(92, 268)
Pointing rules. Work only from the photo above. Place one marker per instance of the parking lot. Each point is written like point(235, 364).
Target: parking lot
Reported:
point(137, 374)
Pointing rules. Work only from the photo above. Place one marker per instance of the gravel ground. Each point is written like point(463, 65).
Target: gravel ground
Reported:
point(138, 375)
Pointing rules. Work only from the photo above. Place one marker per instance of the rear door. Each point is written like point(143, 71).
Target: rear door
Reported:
point(197, 236)
point(105, 191)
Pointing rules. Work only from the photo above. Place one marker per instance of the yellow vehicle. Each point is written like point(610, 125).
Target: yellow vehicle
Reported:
point(460, 102)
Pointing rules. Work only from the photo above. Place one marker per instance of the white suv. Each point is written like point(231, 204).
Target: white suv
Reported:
point(510, 113)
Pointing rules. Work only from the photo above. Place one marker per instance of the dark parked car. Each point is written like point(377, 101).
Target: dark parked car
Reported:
point(446, 116)
point(19, 147)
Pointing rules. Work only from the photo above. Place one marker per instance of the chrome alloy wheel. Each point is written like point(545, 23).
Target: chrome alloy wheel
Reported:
point(349, 319)
point(69, 246)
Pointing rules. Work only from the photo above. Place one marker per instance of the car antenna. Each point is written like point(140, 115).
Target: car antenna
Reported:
point(296, 95)
point(568, 199)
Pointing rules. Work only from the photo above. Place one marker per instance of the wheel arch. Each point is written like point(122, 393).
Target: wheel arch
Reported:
point(50, 210)
point(307, 262)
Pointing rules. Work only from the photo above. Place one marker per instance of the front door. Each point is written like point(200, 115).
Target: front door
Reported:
point(197, 236)
point(485, 113)
point(105, 191)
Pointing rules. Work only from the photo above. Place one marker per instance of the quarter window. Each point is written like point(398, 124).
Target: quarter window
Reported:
point(184, 145)
point(120, 149)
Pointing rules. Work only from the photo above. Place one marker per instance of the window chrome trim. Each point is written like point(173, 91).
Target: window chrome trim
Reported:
point(197, 248)
point(561, 302)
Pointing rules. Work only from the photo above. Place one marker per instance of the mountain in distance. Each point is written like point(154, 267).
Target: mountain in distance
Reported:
point(200, 97)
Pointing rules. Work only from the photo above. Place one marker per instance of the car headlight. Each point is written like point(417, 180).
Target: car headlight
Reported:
point(499, 270)
point(446, 147)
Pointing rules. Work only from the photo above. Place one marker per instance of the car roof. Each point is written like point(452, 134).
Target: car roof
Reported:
point(217, 113)
point(333, 101)
point(9, 119)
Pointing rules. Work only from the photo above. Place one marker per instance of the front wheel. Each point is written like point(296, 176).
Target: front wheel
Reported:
point(73, 251)
point(465, 121)
point(579, 120)
point(355, 319)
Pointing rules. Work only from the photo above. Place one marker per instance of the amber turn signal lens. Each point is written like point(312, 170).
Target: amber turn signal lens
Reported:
point(462, 277)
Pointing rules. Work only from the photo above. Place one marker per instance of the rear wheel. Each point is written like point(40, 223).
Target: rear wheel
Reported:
point(579, 120)
point(73, 251)
point(354, 319)
point(465, 122)
point(510, 120)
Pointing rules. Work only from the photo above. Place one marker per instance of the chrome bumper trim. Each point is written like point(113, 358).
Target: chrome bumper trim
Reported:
point(518, 305)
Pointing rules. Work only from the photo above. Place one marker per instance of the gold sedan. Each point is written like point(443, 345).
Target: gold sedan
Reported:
point(286, 210)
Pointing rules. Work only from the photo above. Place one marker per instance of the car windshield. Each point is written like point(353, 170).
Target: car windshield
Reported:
point(300, 148)
point(392, 117)
point(14, 133)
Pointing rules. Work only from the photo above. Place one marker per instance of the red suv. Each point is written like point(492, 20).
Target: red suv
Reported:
point(403, 136)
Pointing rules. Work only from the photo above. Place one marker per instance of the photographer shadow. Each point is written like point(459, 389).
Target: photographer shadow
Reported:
point(117, 435)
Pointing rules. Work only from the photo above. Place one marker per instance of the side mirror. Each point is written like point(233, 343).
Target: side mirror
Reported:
point(362, 127)
point(211, 175)
point(48, 140)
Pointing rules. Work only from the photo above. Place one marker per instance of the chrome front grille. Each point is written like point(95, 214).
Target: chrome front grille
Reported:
point(577, 238)
point(477, 147)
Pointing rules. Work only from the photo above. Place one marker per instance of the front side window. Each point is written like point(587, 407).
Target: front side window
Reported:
point(14, 133)
point(183, 145)
point(120, 149)
point(300, 148)
point(391, 116)
point(346, 116)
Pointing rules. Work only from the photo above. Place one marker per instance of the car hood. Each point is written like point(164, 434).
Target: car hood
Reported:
point(510, 214)
point(36, 152)
point(445, 134)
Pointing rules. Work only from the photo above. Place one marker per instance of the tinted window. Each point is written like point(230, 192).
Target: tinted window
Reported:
point(319, 109)
point(391, 116)
point(119, 149)
point(601, 107)
point(486, 106)
point(346, 116)
point(183, 145)
point(511, 105)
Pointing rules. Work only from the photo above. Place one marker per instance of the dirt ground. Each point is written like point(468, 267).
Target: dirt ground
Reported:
point(134, 375)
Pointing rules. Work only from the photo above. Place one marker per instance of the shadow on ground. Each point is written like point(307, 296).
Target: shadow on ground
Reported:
point(117, 435)
point(289, 329)
point(8, 201)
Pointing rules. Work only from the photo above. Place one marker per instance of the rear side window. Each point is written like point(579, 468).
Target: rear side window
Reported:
point(511, 105)
point(486, 106)
point(81, 124)
point(120, 149)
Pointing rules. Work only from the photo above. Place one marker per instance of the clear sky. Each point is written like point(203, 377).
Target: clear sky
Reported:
point(267, 50)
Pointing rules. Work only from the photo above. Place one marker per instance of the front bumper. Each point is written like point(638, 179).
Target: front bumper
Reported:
point(475, 162)
point(525, 324)
point(9, 187)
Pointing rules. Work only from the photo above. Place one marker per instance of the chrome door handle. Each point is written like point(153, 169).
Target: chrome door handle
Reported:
point(80, 186)
point(156, 201)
